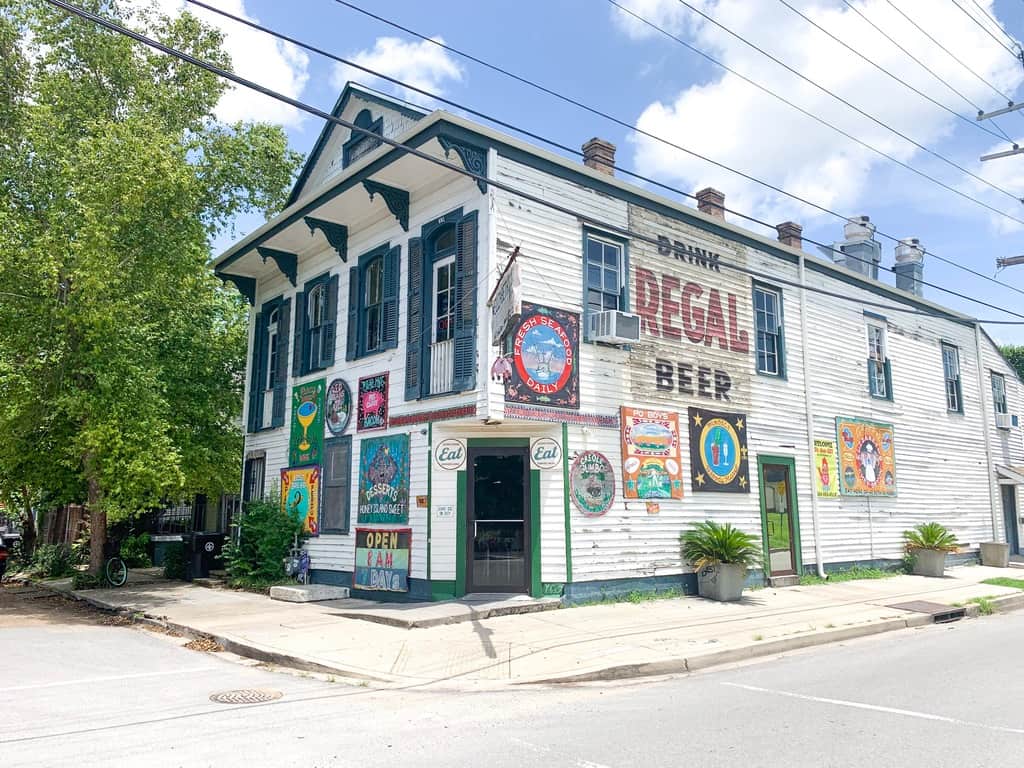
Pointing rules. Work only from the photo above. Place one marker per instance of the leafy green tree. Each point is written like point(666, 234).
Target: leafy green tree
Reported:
point(1015, 357)
point(121, 356)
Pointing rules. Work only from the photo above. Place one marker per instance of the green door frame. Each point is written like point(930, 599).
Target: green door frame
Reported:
point(790, 463)
point(462, 491)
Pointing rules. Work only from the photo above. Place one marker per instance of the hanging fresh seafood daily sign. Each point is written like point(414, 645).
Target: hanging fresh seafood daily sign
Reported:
point(696, 317)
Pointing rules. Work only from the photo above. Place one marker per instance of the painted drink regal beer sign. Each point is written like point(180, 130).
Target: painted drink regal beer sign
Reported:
point(696, 317)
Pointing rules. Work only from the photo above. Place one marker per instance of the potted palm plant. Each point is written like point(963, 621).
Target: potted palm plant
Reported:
point(721, 554)
point(927, 545)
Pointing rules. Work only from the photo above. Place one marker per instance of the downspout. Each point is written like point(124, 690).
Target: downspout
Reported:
point(809, 415)
point(989, 467)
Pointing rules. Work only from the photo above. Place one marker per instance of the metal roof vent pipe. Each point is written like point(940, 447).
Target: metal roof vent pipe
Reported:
point(910, 266)
point(859, 252)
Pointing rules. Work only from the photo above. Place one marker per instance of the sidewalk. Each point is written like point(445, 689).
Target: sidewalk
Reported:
point(610, 641)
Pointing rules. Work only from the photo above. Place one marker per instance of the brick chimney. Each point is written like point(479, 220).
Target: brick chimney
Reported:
point(791, 234)
point(599, 155)
point(711, 202)
point(910, 265)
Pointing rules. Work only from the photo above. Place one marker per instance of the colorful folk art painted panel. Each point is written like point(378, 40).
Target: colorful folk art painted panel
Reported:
point(545, 358)
point(718, 451)
point(592, 483)
point(651, 454)
point(339, 407)
point(384, 480)
point(307, 432)
point(300, 496)
point(867, 458)
point(825, 473)
point(382, 559)
point(372, 403)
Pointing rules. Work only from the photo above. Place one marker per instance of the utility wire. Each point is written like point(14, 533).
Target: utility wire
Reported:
point(630, 126)
point(537, 137)
point(413, 151)
point(983, 28)
point(928, 69)
point(849, 104)
point(953, 56)
point(996, 24)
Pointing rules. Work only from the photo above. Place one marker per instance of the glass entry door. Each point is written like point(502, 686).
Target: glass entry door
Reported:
point(498, 518)
point(778, 517)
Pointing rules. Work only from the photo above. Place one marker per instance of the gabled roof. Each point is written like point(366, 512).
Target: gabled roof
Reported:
point(367, 94)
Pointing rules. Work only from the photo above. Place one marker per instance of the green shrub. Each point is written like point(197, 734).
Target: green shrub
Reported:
point(52, 561)
point(265, 533)
point(174, 562)
point(710, 543)
point(86, 580)
point(930, 536)
point(134, 551)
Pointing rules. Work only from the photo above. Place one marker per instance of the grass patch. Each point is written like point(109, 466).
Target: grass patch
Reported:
point(1003, 581)
point(636, 596)
point(985, 607)
point(850, 574)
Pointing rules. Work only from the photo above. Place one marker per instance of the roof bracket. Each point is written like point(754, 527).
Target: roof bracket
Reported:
point(396, 199)
point(245, 285)
point(288, 263)
point(474, 159)
point(336, 234)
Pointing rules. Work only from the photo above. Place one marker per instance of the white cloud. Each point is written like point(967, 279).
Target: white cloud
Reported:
point(255, 56)
point(420, 64)
point(730, 120)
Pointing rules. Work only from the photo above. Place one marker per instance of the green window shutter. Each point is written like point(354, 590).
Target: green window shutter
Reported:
point(259, 338)
point(328, 339)
point(959, 396)
point(414, 325)
point(392, 281)
point(281, 381)
point(782, 351)
point(352, 334)
point(465, 312)
point(299, 339)
point(871, 378)
point(888, 379)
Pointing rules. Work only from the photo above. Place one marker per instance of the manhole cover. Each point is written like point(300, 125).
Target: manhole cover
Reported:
point(245, 696)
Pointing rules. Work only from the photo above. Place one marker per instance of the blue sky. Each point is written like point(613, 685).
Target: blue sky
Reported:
point(598, 55)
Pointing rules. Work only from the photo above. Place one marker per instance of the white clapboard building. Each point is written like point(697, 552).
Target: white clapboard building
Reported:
point(533, 378)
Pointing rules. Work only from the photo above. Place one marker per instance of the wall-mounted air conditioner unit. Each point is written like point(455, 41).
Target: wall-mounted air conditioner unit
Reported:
point(614, 327)
point(1005, 420)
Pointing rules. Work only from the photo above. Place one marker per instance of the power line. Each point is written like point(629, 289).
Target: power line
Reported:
point(849, 104)
point(927, 69)
point(550, 142)
point(948, 52)
point(996, 23)
point(413, 151)
point(630, 126)
point(983, 28)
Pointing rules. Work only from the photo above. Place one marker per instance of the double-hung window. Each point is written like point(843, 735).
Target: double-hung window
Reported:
point(879, 368)
point(373, 303)
point(316, 325)
point(604, 276)
point(252, 481)
point(768, 325)
point(951, 372)
point(269, 372)
point(999, 393)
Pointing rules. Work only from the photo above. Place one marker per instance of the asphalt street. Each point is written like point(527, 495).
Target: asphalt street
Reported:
point(76, 690)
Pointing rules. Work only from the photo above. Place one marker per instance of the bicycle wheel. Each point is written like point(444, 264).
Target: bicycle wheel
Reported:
point(116, 572)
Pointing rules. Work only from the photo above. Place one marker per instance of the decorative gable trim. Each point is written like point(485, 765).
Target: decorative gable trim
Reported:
point(474, 158)
point(245, 285)
point(397, 200)
point(287, 263)
point(336, 234)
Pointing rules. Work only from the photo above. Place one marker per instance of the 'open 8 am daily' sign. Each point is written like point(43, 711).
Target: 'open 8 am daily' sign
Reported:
point(382, 559)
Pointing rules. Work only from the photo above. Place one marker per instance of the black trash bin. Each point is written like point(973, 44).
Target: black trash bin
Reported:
point(203, 553)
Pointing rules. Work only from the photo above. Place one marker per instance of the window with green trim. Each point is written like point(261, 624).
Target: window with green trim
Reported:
point(373, 303)
point(768, 327)
point(879, 367)
point(316, 325)
point(951, 373)
point(604, 276)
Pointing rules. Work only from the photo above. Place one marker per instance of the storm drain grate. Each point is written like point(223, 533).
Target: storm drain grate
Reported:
point(245, 696)
point(941, 614)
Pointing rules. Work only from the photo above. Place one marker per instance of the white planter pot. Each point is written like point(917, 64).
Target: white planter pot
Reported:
point(722, 582)
point(929, 562)
point(995, 554)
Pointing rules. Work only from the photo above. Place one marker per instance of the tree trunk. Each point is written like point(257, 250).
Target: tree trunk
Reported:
point(97, 529)
point(28, 527)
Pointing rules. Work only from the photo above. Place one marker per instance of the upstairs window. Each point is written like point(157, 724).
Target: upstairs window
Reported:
point(999, 393)
point(768, 324)
point(951, 372)
point(373, 303)
point(268, 372)
point(604, 275)
point(360, 144)
point(879, 369)
point(316, 325)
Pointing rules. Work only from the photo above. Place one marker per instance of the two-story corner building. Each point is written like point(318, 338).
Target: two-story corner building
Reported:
point(462, 389)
